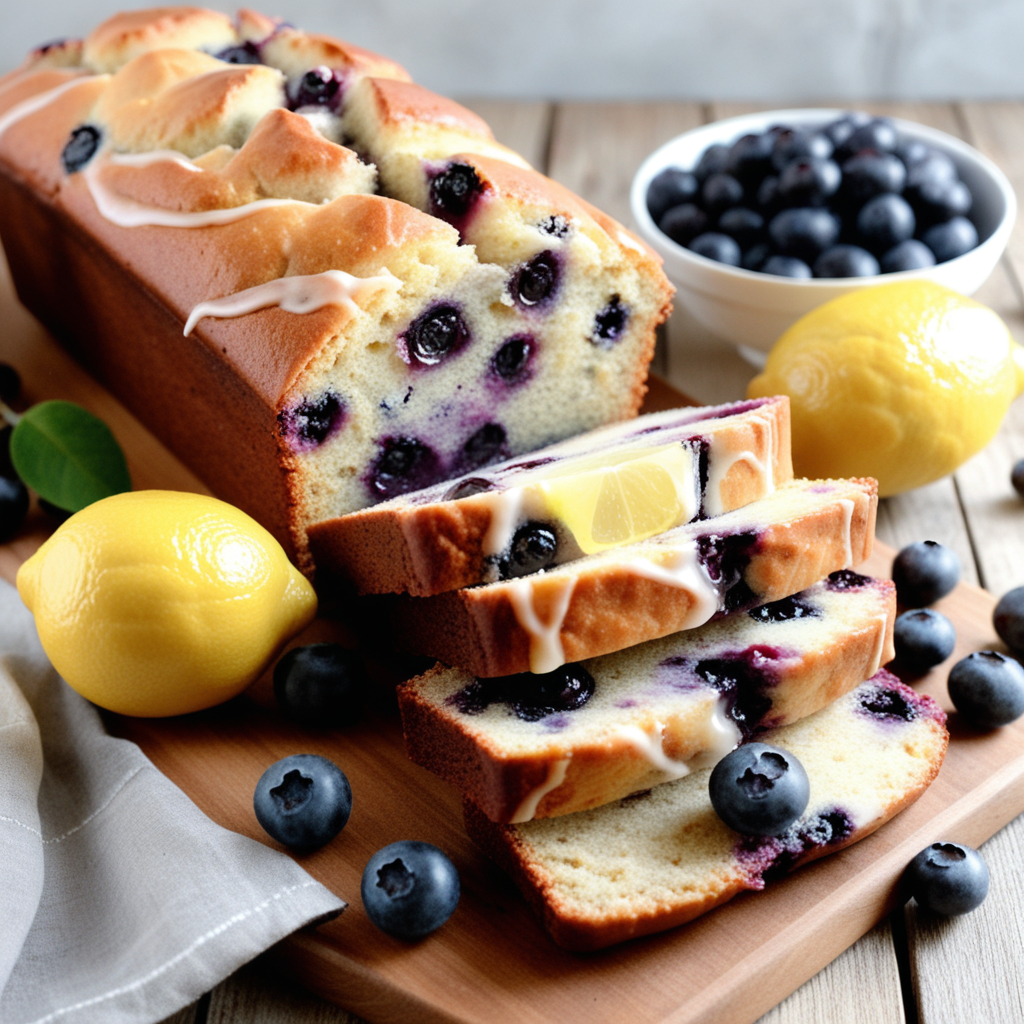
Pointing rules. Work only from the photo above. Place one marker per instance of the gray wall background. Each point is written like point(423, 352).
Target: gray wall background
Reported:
point(772, 50)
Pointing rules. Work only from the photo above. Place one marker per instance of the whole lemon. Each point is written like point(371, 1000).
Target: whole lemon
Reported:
point(154, 603)
point(902, 382)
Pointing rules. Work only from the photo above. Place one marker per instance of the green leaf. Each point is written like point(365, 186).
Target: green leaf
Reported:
point(68, 456)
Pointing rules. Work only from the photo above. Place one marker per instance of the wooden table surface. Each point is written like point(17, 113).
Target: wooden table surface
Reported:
point(907, 969)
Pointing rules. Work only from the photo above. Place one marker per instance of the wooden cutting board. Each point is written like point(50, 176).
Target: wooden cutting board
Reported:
point(492, 962)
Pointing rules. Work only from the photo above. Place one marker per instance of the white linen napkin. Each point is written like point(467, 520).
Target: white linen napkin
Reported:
point(120, 901)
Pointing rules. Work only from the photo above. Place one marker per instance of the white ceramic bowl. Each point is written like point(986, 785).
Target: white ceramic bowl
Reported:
point(752, 309)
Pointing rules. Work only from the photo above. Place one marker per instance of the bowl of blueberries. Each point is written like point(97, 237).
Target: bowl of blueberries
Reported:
point(762, 218)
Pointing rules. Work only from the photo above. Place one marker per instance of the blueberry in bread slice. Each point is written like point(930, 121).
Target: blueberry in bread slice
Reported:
point(608, 487)
point(767, 550)
point(663, 857)
point(538, 746)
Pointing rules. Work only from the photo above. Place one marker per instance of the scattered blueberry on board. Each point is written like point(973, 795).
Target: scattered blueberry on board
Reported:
point(759, 790)
point(410, 889)
point(922, 638)
point(987, 688)
point(848, 198)
point(925, 571)
point(1008, 618)
point(948, 878)
point(303, 801)
point(320, 685)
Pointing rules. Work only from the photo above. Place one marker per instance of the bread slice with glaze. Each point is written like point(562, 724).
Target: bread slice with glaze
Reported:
point(765, 551)
point(526, 747)
point(663, 857)
point(459, 534)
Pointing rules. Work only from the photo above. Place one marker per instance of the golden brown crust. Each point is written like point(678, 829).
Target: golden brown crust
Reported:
point(290, 48)
point(441, 544)
point(612, 608)
point(405, 104)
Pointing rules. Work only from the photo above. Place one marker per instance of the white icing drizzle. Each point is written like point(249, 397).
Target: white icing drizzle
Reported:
point(505, 507)
point(628, 242)
point(718, 469)
point(37, 102)
point(546, 651)
point(299, 294)
point(848, 507)
point(129, 213)
point(685, 571)
point(722, 736)
point(652, 746)
point(876, 657)
point(555, 777)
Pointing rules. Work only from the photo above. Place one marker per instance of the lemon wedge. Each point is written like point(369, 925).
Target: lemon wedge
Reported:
point(616, 498)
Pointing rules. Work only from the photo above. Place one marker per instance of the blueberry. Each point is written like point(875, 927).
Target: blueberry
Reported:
point(556, 225)
point(533, 547)
point(878, 134)
point(810, 182)
point(759, 790)
point(784, 610)
point(951, 238)
point(885, 221)
point(454, 191)
point(871, 174)
point(467, 488)
point(245, 53)
point(887, 703)
point(768, 195)
point(317, 87)
point(925, 571)
point(745, 226)
point(786, 266)
point(684, 223)
point(435, 334)
point(13, 506)
point(913, 151)
point(535, 696)
point(803, 232)
point(712, 161)
point(536, 281)
point(672, 187)
point(713, 245)
point(1008, 618)
point(845, 261)
point(923, 638)
point(935, 167)
point(941, 200)
point(1017, 477)
point(846, 579)
point(409, 889)
point(750, 158)
point(403, 464)
point(80, 148)
point(720, 192)
point(486, 445)
point(987, 688)
point(792, 145)
point(10, 383)
point(908, 255)
point(948, 878)
point(303, 801)
point(754, 258)
point(610, 323)
point(512, 359)
point(320, 685)
point(842, 128)
point(312, 422)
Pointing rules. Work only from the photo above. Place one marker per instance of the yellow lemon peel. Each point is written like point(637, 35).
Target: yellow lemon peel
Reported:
point(154, 603)
point(902, 382)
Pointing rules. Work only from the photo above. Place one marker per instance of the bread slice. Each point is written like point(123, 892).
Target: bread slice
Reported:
point(607, 602)
point(650, 714)
point(434, 540)
point(663, 857)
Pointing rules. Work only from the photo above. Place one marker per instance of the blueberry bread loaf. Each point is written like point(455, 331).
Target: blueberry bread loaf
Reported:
point(179, 173)
point(663, 857)
point(529, 746)
point(562, 501)
point(770, 549)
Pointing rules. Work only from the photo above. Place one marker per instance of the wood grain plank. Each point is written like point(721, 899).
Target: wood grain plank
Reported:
point(839, 995)
point(968, 968)
point(521, 126)
point(257, 994)
point(189, 1015)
